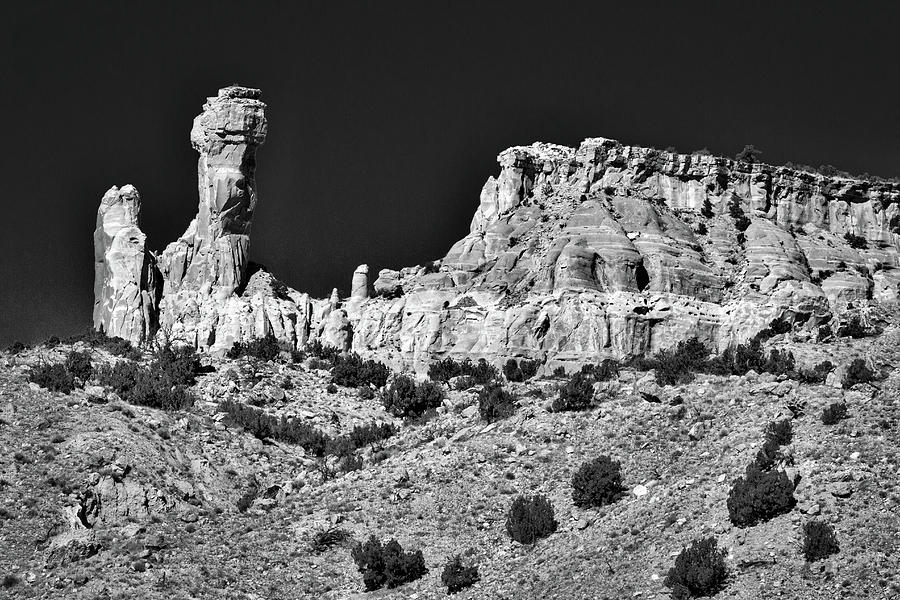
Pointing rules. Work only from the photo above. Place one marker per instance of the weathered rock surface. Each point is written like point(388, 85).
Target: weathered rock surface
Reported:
point(126, 281)
point(573, 254)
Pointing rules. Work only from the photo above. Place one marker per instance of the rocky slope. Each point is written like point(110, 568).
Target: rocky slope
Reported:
point(573, 254)
point(101, 499)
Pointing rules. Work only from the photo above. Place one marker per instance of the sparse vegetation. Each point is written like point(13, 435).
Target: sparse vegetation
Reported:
point(750, 154)
point(296, 431)
point(322, 352)
point(759, 496)
point(53, 377)
point(521, 370)
point(481, 372)
point(79, 365)
point(853, 328)
point(387, 565)
point(530, 518)
point(834, 413)
point(699, 570)
point(403, 397)
point(353, 371)
point(495, 403)
point(264, 348)
point(576, 394)
point(327, 538)
point(114, 345)
point(858, 372)
point(597, 482)
point(741, 222)
point(819, 541)
point(458, 577)
point(856, 242)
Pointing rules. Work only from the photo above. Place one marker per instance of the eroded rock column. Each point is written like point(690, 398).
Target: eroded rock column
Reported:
point(213, 252)
point(359, 287)
point(126, 283)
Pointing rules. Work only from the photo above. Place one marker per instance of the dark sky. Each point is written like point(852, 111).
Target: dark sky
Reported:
point(385, 118)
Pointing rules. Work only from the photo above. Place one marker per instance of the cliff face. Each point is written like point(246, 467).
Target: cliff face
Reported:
point(573, 254)
point(614, 250)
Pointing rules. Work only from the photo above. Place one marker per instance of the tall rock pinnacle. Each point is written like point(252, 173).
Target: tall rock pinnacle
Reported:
point(213, 250)
point(126, 282)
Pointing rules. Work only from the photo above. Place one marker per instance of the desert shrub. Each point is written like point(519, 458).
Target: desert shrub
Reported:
point(759, 496)
point(559, 372)
point(741, 222)
point(145, 386)
point(521, 370)
point(576, 394)
point(597, 482)
point(264, 348)
point(530, 518)
point(331, 388)
point(322, 351)
point(177, 365)
point(744, 357)
point(607, 369)
point(481, 372)
point(834, 413)
point(676, 365)
point(818, 373)
point(776, 327)
point(699, 570)
point(750, 154)
point(363, 435)
point(365, 392)
point(765, 458)
point(262, 425)
point(464, 382)
point(458, 577)
point(858, 372)
point(853, 328)
point(350, 462)
point(112, 344)
point(780, 432)
point(79, 365)
point(353, 371)
point(326, 538)
point(856, 241)
point(495, 403)
point(387, 565)
point(403, 397)
point(53, 377)
point(819, 541)
point(444, 370)
point(317, 363)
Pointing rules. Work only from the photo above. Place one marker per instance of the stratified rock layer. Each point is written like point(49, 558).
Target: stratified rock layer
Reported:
point(573, 254)
point(612, 250)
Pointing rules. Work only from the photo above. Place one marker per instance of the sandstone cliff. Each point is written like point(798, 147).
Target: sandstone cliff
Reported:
point(573, 254)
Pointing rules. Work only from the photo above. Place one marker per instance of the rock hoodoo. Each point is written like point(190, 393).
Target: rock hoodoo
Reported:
point(360, 284)
point(126, 281)
point(573, 254)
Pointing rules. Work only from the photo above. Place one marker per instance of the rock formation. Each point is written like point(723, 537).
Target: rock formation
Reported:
point(573, 254)
point(126, 282)
point(359, 287)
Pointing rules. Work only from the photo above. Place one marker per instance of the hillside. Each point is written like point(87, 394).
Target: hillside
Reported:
point(105, 499)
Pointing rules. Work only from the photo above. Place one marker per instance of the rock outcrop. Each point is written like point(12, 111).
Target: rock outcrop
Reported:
point(573, 254)
point(613, 250)
point(126, 281)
